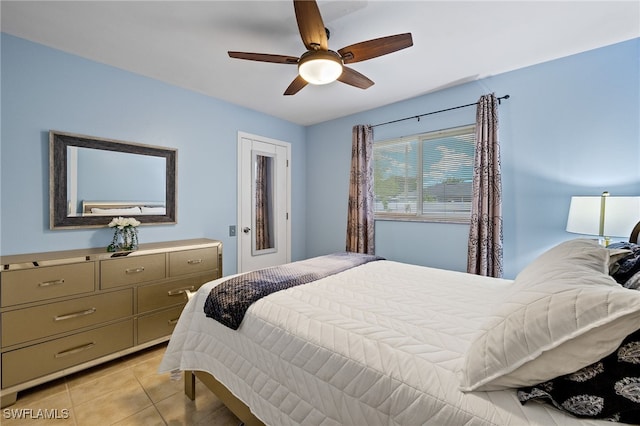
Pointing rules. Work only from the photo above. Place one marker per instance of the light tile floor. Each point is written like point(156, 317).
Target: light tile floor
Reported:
point(124, 392)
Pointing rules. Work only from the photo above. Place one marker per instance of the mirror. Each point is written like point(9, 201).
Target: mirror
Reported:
point(263, 215)
point(92, 180)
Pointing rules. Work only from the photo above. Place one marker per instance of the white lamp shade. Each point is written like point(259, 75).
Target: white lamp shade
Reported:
point(620, 215)
point(584, 215)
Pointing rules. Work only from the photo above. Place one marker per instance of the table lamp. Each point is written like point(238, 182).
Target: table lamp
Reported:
point(604, 216)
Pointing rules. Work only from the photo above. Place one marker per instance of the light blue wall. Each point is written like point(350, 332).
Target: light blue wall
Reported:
point(571, 127)
point(45, 89)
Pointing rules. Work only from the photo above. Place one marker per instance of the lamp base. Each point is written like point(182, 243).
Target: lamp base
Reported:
point(604, 241)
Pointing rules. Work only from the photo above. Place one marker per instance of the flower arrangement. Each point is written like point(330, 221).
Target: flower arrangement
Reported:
point(125, 237)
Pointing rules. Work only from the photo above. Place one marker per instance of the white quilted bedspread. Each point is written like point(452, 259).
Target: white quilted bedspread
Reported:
point(379, 344)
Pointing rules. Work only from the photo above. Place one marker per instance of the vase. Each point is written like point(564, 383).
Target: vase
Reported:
point(124, 239)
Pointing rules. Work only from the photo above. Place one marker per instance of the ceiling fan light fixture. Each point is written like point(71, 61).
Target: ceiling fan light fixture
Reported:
point(320, 66)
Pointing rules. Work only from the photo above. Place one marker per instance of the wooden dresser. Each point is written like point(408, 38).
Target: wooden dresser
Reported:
point(61, 312)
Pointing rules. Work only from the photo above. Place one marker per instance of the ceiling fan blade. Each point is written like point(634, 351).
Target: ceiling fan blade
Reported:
point(310, 24)
point(374, 48)
point(264, 57)
point(354, 78)
point(296, 85)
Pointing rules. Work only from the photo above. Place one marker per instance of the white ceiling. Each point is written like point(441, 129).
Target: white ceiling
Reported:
point(185, 43)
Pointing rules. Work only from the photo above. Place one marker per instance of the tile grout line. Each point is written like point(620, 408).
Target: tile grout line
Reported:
point(153, 404)
point(67, 389)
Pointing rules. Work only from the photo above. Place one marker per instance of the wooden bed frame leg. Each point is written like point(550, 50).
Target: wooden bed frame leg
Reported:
point(190, 385)
point(236, 406)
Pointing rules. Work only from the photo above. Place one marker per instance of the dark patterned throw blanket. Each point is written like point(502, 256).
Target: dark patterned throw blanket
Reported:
point(608, 389)
point(228, 301)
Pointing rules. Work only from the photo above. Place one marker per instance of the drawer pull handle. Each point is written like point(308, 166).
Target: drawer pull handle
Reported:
point(172, 321)
point(180, 291)
point(75, 350)
point(194, 261)
point(74, 314)
point(50, 283)
point(134, 270)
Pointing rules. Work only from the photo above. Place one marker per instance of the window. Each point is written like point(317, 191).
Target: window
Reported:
point(425, 177)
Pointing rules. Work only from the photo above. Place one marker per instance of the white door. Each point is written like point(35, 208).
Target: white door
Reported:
point(263, 202)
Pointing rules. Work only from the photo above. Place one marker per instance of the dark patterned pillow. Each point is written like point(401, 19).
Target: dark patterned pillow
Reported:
point(627, 270)
point(608, 389)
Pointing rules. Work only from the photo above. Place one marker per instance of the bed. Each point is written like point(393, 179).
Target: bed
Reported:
point(387, 343)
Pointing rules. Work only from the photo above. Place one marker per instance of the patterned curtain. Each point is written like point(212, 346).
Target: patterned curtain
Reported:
point(360, 222)
point(485, 233)
point(262, 208)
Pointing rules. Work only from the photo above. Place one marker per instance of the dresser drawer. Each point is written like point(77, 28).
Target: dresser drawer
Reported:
point(39, 360)
point(131, 270)
point(192, 261)
point(48, 282)
point(158, 296)
point(54, 318)
point(159, 324)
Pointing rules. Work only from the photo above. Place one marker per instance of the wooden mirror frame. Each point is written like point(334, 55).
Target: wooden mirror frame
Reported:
point(633, 238)
point(58, 144)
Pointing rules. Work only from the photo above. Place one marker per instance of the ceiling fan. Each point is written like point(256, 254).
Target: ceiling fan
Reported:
point(319, 65)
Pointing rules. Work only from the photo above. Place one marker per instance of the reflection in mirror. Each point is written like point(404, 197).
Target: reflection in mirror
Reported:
point(263, 204)
point(93, 180)
point(115, 179)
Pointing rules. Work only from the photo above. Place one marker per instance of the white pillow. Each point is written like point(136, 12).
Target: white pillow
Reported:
point(114, 212)
point(563, 313)
point(153, 210)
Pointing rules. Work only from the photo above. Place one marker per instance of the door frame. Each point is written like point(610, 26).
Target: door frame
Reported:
point(239, 198)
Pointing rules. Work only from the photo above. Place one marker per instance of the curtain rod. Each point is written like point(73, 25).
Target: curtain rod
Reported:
point(435, 112)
